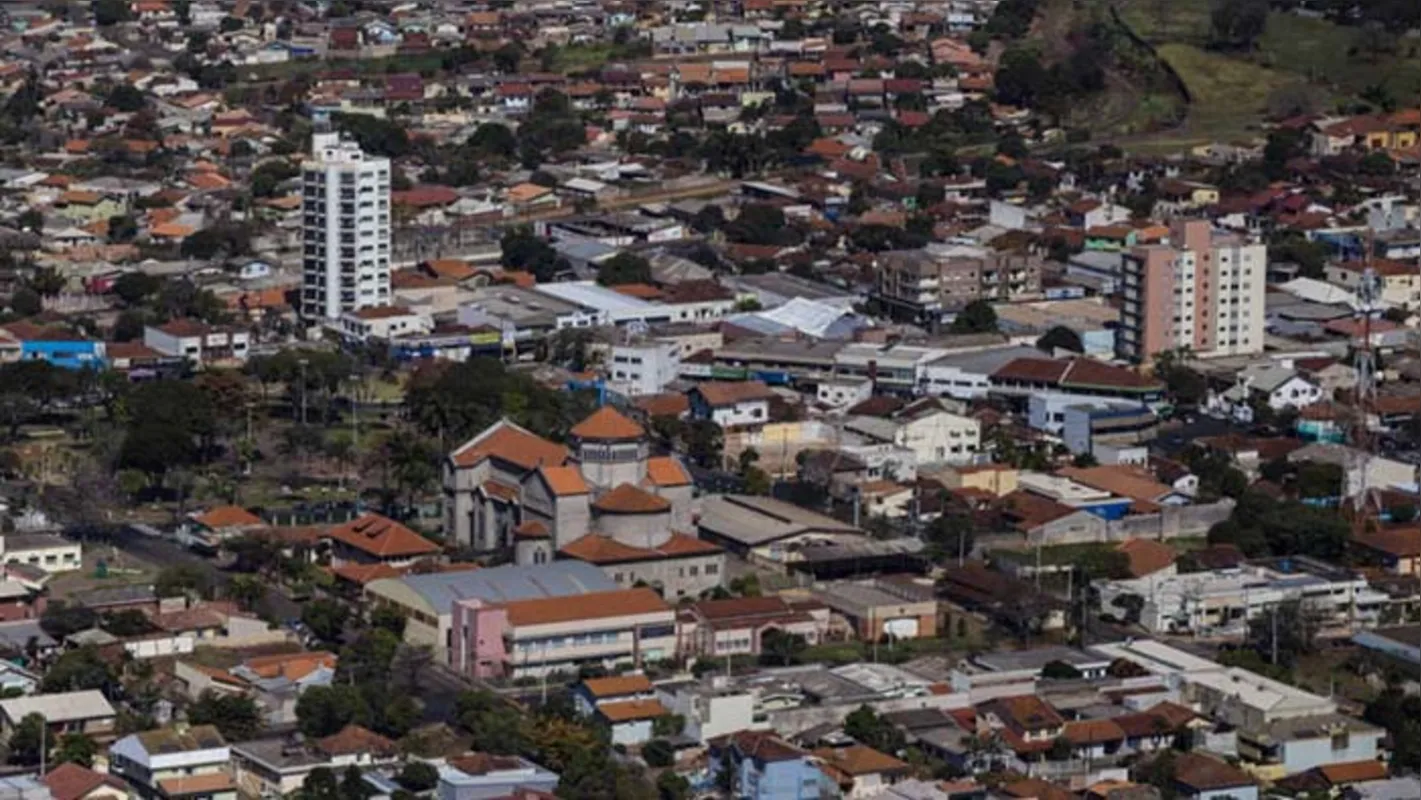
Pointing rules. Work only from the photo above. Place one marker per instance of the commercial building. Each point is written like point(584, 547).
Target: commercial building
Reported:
point(903, 607)
point(197, 342)
point(1204, 291)
point(427, 601)
point(345, 207)
point(643, 368)
point(1222, 602)
point(535, 637)
point(923, 285)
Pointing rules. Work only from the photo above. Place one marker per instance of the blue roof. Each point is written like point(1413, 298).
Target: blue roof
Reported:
point(501, 584)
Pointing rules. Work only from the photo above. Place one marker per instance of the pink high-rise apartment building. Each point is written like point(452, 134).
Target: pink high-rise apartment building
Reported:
point(1202, 290)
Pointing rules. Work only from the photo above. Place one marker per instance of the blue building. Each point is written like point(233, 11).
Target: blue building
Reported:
point(765, 767)
point(59, 347)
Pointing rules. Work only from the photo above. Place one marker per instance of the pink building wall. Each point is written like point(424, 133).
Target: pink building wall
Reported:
point(1195, 235)
point(1157, 301)
point(479, 653)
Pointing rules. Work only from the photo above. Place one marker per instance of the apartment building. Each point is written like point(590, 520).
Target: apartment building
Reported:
point(345, 208)
point(1203, 290)
point(922, 285)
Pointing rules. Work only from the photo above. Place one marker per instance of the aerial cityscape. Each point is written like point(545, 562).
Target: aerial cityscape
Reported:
point(710, 400)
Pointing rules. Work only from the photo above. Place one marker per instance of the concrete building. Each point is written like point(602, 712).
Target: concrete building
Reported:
point(643, 368)
point(535, 637)
point(345, 207)
point(168, 763)
point(1203, 291)
point(85, 712)
point(926, 428)
point(477, 776)
point(923, 285)
point(197, 342)
point(1221, 602)
point(278, 766)
point(381, 323)
point(767, 767)
point(900, 607)
point(732, 404)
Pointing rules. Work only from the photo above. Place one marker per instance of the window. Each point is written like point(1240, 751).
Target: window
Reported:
point(712, 569)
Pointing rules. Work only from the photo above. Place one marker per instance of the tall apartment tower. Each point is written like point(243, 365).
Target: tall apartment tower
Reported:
point(1204, 291)
point(345, 211)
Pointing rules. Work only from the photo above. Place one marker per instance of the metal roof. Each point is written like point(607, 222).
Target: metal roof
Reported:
point(501, 584)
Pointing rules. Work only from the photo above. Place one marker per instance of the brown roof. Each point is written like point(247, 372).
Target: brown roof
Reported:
point(667, 404)
point(1205, 773)
point(628, 710)
point(1147, 556)
point(1093, 731)
point(617, 685)
point(293, 666)
point(597, 549)
point(1027, 712)
point(595, 605)
point(228, 517)
point(759, 745)
point(364, 573)
point(484, 763)
point(607, 423)
point(565, 480)
point(741, 607)
point(1034, 370)
point(208, 783)
point(728, 393)
point(69, 781)
point(1036, 789)
point(382, 536)
point(355, 739)
point(1398, 542)
point(532, 529)
point(1118, 479)
point(860, 760)
point(513, 444)
point(628, 499)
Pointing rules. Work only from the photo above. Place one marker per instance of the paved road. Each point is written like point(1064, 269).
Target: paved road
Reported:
point(165, 552)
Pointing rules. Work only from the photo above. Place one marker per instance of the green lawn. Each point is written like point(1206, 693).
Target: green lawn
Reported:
point(1229, 95)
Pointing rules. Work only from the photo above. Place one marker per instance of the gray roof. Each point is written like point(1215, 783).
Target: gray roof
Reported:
point(987, 361)
point(1035, 658)
point(63, 707)
point(754, 520)
point(17, 634)
point(502, 584)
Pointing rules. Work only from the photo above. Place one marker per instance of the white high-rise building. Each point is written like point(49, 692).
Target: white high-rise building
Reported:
point(345, 207)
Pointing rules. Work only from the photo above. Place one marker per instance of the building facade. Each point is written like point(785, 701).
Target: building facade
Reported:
point(1202, 291)
point(345, 206)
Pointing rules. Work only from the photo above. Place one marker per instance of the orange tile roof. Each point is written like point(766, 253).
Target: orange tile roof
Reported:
point(449, 268)
point(171, 230)
point(1093, 731)
point(1146, 556)
point(500, 490)
point(510, 443)
point(69, 781)
point(1353, 772)
point(532, 529)
point(595, 605)
point(629, 710)
point(208, 181)
point(1118, 480)
point(362, 574)
point(228, 517)
point(598, 549)
point(641, 291)
point(76, 146)
point(607, 423)
point(617, 685)
point(564, 480)
point(355, 739)
point(80, 197)
point(383, 537)
point(628, 499)
point(666, 471)
point(666, 404)
point(293, 666)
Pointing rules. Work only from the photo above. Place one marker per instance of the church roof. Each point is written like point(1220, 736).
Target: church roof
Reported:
point(607, 423)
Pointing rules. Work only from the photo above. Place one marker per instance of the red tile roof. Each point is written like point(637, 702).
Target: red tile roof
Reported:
point(628, 499)
point(382, 537)
point(598, 549)
point(596, 605)
point(70, 781)
point(607, 423)
point(510, 443)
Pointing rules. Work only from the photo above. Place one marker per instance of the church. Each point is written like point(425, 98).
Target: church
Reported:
point(602, 498)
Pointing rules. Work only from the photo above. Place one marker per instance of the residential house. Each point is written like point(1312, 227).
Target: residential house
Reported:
point(87, 712)
point(1204, 777)
point(765, 767)
point(627, 704)
point(175, 762)
point(927, 428)
point(861, 772)
point(1398, 283)
point(731, 404)
point(275, 682)
point(70, 781)
point(738, 626)
point(278, 766)
point(375, 539)
point(60, 347)
point(475, 776)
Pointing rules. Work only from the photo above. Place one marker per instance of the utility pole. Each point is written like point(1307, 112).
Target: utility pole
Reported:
point(303, 362)
point(1275, 633)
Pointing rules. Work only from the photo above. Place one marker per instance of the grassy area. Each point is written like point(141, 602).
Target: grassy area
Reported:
point(1229, 94)
point(1062, 554)
point(840, 653)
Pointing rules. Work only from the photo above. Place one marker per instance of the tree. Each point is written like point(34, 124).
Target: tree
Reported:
point(26, 743)
point(495, 724)
point(1060, 338)
point(236, 716)
point(781, 647)
point(111, 12)
point(624, 268)
point(1060, 670)
point(26, 302)
point(1021, 79)
point(326, 618)
point(1399, 713)
point(74, 748)
point(388, 618)
point(868, 728)
point(129, 622)
point(31, 219)
point(658, 753)
point(704, 442)
point(122, 228)
point(326, 710)
point(61, 619)
point(269, 175)
point(418, 776)
point(179, 580)
point(79, 670)
point(1284, 634)
point(1237, 24)
point(670, 786)
point(977, 317)
point(126, 98)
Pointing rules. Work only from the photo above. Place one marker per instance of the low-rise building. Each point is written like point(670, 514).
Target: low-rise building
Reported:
point(738, 626)
point(475, 776)
point(278, 766)
point(169, 763)
point(85, 712)
point(199, 343)
point(732, 404)
point(766, 767)
point(900, 607)
point(274, 682)
point(70, 781)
